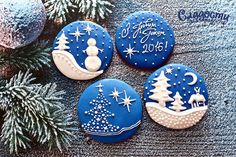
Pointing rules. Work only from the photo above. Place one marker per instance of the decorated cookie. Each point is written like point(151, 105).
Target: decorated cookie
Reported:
point(145, 40)
point(176, 96)
point(110, 111)
point(82, 50)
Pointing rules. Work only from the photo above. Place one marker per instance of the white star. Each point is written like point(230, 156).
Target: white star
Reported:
point(115, 94)
point(130, 51)
point(101, 50)
point(169, 70)
point(88, 29)
point(127, 101)
point(99, 87)
point(77, 34)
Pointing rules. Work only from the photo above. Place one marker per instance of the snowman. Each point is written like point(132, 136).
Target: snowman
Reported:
point(92, 62)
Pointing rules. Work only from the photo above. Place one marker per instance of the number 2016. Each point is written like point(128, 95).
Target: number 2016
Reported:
point(151, 47)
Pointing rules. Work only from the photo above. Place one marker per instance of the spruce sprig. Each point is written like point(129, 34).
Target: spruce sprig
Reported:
point(94, 9)
point(33, 56)
point(58, 10)
point(33, 111)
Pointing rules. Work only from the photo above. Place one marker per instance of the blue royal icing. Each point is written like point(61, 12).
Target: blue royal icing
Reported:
point(179, 93)
point(89, 44)
point(145, 40)
point(110, 111)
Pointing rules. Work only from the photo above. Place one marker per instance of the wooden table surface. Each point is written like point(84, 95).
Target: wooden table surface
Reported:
point(209, 48)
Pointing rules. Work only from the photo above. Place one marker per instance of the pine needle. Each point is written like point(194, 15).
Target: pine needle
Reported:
point(32, 57)
point(33, 110)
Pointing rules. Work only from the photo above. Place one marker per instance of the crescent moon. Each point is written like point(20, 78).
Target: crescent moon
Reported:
point(194, 76)
point(68, 66)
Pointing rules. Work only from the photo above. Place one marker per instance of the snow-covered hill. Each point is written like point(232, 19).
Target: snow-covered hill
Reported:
point(175, 120)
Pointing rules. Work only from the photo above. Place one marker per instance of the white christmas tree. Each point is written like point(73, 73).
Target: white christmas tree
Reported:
point(62, 41)
point(100, 115)
point(177, 104)
point(160, 92)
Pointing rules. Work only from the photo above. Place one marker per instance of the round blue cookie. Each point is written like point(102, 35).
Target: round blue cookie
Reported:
point(176, 96)
point(145, 40)
point(110, 111)
point(82, 50)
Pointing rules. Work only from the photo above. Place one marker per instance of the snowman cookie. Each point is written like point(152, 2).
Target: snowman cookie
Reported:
point(145, 40)
point(110, 111)
point(82, 50)
point(176, 96)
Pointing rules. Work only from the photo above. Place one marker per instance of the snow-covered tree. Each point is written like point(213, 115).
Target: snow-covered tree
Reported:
point(62, 41)
point(99, 113)
point(160, 92)
point(177, 104)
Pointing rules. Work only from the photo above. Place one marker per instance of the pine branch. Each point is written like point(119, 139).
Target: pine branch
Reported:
point(32, 57)
point(58, 10)
point(33, 110)
point(13, 131)
point(94, 9)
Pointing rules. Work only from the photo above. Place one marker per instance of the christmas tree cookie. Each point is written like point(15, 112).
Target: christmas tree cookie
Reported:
point(82, 50)
point(110, 111)
point(176, 96)
point(145, 40)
